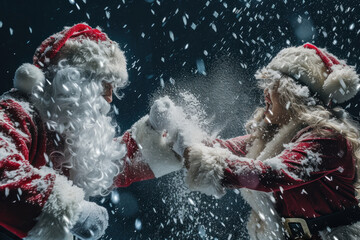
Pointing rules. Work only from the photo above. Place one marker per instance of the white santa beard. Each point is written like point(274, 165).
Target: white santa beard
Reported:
point(74, 107)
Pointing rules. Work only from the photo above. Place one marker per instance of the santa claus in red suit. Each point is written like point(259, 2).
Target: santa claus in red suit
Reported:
point(297, 168)
point(58, 144)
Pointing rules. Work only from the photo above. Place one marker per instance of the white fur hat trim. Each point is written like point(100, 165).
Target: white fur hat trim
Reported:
point(28, 76)
point(339, 83)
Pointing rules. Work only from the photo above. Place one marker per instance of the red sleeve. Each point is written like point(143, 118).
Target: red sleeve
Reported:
point(134, 169)
point(303, 161)
point(236, 145)
point(24, 189)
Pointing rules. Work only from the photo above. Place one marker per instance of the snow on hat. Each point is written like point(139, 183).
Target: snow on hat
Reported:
point(29, 75)
point(322, 72)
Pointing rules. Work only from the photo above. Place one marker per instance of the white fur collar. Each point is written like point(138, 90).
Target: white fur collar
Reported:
point(260, 152)
point(264, 222)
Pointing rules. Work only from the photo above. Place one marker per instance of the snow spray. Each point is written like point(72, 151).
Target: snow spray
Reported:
point(216, 105)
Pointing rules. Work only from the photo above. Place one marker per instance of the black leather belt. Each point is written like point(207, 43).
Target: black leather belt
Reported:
point(302, 228)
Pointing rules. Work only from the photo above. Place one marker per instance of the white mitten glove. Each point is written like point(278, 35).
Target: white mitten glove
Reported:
point(164, 115)
point(161, 114)
point(92, 222)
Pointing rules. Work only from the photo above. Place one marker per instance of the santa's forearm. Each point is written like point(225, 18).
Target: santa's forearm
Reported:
point(148, 155)
point(133, 168)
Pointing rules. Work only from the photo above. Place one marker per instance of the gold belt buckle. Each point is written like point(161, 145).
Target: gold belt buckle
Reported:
point(297, 228)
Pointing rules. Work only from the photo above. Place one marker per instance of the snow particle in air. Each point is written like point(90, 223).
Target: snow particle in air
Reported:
point(171, 34)
point(115, 197)
point(138, 224)
point(200, 66)
point(352, 26)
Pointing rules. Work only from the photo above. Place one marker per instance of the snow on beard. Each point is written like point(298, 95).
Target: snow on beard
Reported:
point(73, 106)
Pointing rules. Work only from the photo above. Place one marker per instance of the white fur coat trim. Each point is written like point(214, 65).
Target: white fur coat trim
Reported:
point(348, 232)
point(59, 213)
point(264, 222)
point(155, 148)
point(340, 85)
point(206, 169)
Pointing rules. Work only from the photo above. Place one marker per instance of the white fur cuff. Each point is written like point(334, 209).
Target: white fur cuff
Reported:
point(155, 148)
point(59, 213)
point(206, 169)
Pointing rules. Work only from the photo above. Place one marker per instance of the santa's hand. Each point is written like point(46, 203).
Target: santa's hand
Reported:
point(92, 222)
point(160, 116)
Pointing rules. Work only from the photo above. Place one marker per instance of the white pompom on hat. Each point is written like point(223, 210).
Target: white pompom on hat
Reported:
point(27, 76)
point(332, 79)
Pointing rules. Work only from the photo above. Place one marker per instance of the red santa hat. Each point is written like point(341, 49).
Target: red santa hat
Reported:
point(29, 75)
point(332, 79)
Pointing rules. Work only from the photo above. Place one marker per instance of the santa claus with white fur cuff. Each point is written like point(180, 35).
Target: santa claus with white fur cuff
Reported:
point(297, 167)
point(58, 144)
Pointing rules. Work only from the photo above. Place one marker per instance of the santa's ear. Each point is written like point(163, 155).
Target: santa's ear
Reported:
point(28, 76)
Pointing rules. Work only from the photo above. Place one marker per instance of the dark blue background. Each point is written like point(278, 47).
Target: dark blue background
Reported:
point(248, 34)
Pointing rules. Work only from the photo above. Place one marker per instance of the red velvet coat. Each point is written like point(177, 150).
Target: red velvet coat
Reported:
point(25, 185)
point(313, 176)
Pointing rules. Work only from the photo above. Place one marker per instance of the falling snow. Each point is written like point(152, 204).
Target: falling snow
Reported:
point(107, 13)
point(171, 34)
point(201, 66)
point(173, 45)
point(138, 224)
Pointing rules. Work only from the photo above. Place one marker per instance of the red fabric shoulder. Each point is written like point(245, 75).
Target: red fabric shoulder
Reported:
point(24, 188)
point(31, 137)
